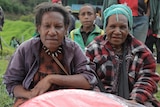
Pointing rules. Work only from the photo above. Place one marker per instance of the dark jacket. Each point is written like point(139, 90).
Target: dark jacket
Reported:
point(25, 63)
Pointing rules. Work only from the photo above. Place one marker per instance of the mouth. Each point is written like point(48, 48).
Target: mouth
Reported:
point(116, 38)
point(87, 22)
point(51, 39)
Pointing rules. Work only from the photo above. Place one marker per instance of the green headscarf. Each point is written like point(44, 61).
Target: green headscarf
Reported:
point(118, 9)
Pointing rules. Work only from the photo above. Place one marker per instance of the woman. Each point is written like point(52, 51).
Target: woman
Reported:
point(124, 65)
point(50, 61)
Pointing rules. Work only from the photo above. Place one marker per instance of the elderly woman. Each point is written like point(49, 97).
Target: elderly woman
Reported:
point(125, 66)
point(50, 61)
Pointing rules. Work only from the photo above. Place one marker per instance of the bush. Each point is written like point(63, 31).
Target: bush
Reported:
point(27, 18)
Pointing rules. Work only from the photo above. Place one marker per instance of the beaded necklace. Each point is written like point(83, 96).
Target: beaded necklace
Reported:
point(53, 54)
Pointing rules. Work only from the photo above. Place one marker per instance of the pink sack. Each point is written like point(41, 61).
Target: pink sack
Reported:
point(76, 98)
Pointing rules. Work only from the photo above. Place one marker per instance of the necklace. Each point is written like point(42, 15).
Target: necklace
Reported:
point(117, 51)
point(53, 54)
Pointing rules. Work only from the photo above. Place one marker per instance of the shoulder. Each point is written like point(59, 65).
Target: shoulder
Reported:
point(70, 47)
point(69, 44)
point(31, 44)
point(98, 30)
point(98, 42)
point(75, 31)
point(137, 46)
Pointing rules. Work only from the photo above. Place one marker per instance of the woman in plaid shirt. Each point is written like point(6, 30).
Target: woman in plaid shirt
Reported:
point(125, 65)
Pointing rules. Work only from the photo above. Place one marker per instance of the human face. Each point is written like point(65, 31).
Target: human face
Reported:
point(87, 16)
point(52, 30)
point(117, 29)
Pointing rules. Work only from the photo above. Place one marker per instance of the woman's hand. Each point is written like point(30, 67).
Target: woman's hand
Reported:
point(132, 101)
point(41, 87)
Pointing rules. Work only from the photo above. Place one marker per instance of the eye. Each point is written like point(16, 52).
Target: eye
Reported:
point(47, 26)
point(112, 26)
point(58, 26)
point(123, 27)
point(89, 13)
point(82, 14)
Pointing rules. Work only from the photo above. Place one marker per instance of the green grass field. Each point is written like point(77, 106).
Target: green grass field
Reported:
point(22, 31)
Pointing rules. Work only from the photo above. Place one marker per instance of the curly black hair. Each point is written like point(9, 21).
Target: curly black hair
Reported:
point(49, 7)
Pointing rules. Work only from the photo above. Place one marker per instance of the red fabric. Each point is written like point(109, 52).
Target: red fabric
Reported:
point(72, 98)
point(133, 4)
point(55, 1)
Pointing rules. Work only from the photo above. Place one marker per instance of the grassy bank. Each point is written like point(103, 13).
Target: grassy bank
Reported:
point(22, 31)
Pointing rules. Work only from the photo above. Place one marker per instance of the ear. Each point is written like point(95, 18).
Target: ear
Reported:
point(66, 29)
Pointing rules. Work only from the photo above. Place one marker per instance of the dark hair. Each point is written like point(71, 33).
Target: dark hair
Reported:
point(90, 5)
point(98, 9)
point(49, 7)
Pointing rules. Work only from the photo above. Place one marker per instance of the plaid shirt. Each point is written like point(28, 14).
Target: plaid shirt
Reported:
point(140, 65)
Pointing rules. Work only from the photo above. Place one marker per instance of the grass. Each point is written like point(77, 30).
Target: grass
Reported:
point(5, 100)
point(22, 31)
point(158, 94)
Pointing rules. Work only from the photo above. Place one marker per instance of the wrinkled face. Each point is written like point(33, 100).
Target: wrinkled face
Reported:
point(52, 30)
point(87, 16)
point(117, 29)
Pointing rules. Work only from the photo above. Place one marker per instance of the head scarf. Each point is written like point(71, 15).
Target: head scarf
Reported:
point(118, 9)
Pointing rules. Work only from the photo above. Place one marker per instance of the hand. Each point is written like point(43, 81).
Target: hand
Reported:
point(132, 101)
point(41, 87)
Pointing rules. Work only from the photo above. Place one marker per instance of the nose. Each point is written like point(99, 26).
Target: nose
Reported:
point(52, 31)
point(117, 30)
point(86, 15)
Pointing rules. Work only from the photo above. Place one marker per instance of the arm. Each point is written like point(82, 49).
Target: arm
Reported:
point(146, 84)
point(20, 92)
point(20, 68)
point(74, 81)
point(148, 9)
point(81, 75)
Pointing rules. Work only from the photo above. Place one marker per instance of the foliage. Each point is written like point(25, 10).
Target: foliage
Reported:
point(27, 18)
point(19, 29)
point(22, 7)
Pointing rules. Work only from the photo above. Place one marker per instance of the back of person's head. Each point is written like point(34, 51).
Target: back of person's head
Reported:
point(45, 7)
point(68, 9)
point(98, 9)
